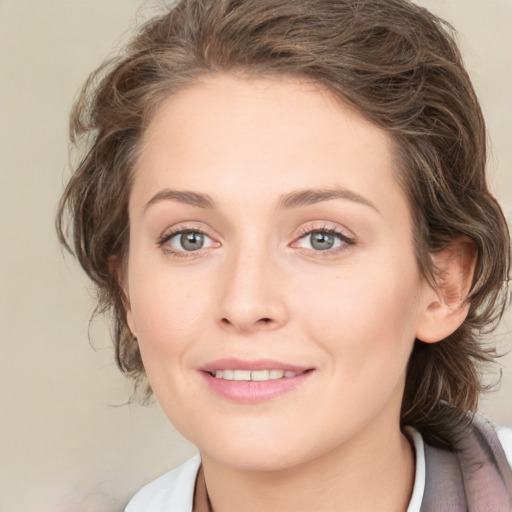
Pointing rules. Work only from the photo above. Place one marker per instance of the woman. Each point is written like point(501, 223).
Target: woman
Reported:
point(284, 204)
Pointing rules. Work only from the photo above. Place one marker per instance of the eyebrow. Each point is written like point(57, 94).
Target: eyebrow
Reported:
point(312, 196)
point(182, 196)
point(291, 200)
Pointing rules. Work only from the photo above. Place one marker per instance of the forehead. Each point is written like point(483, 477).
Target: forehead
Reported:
point(231, 136)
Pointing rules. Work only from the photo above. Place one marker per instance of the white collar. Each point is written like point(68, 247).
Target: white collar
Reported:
point(174, 491)
point(419, 476)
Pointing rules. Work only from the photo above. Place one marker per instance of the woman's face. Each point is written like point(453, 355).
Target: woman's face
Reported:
point(270, 242)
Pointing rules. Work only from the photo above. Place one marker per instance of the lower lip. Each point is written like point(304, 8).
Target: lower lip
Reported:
point(252, 392)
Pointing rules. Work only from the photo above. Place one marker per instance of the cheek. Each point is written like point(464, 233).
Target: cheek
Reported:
point(168, 308)
point(170, 317)
point(365, 317)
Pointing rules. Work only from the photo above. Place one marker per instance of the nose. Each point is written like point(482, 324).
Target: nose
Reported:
point(252, 294)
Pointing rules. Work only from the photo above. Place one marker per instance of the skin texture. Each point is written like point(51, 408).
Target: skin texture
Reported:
point(259, 290)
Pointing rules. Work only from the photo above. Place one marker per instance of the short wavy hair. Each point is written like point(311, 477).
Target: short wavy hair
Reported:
point(394, 62)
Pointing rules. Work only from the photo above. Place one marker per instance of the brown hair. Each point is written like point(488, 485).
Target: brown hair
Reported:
point(393, 61)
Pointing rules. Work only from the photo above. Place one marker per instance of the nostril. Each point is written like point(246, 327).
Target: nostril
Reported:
point(243, 325)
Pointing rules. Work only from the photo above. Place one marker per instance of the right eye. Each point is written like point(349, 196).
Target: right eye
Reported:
point(186, 240)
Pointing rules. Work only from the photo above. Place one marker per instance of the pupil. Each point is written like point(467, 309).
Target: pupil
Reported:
point(322, 241)
point(192, 241)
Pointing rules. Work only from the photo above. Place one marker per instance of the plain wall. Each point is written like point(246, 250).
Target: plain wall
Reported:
point(67, 442)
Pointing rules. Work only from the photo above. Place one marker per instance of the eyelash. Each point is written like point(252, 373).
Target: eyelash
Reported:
point(168, 236)
point(346, 241)
point(304, 232)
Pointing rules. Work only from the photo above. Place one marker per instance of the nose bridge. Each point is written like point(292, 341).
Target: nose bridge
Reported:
point(251, 297)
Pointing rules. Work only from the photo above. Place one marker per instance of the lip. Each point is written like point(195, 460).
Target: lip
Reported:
point(259, 364)
point(253, 392)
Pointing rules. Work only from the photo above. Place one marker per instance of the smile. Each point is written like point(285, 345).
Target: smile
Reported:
point(255, 375)
point(251, 382)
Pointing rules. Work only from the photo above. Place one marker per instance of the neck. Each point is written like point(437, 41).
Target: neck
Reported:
point(373, 472)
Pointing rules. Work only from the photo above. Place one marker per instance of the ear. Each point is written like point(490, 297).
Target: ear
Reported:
point(120, 275)
point(446, 307)
point(129, 314)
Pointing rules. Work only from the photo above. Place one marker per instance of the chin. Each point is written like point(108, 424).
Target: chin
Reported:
point(266, 458)
point(271, 449)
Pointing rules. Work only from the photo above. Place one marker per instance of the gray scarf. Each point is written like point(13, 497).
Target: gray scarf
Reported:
point(473, 477)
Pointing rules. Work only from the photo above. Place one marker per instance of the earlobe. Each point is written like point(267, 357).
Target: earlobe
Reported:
point(125, 292)
point(446, 306)
point(118, 271)
point(128, 309)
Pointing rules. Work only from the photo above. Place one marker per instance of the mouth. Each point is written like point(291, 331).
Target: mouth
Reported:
point(255, 375)
point(253, 381)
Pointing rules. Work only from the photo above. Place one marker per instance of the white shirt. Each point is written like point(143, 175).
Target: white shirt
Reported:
point(174, 491)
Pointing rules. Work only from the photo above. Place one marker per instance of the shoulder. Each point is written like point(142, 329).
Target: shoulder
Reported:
point(171, 492)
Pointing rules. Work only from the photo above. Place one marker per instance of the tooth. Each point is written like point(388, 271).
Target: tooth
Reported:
point(255, 375)
point(228, 375)
point(241, 375)
point(260, 375)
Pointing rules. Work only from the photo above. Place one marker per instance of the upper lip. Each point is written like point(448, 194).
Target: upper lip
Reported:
point(259, 364)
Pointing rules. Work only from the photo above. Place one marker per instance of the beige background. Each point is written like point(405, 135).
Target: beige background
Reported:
point(67, 442)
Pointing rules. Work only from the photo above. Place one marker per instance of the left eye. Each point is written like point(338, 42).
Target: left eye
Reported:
point(322, 240)
point(189, 241)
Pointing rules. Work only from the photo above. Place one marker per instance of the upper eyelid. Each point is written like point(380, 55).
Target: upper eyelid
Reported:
point(328, 228)
point(304, 230)
point(180, 228)
point(333, 230)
